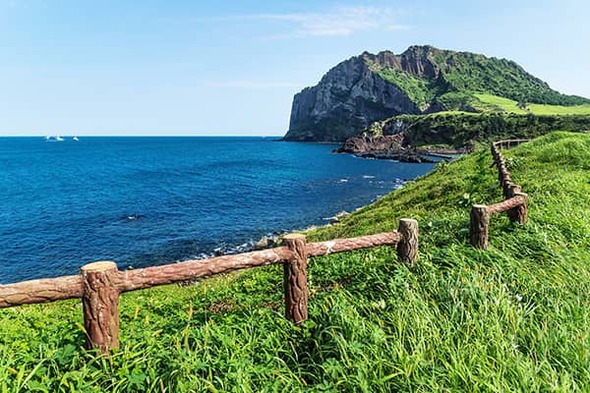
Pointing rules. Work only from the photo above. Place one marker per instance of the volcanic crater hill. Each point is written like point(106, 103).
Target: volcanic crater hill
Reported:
point(421, 80)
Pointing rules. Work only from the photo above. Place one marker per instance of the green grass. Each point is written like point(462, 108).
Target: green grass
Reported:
point(453, 79)
point(491, 102)
point(540, 109)
point(487, 102)
point(417, 89)
point(514, 318)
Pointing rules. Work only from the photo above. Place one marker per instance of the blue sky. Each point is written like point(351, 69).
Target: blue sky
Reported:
point(232, 67)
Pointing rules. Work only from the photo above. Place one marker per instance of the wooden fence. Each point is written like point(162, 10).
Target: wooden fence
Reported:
point(100, 283)
point(515, 201)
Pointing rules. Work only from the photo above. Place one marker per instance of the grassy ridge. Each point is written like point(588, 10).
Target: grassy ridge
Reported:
point(454, 80)
point(488, 102)
point(513, 318)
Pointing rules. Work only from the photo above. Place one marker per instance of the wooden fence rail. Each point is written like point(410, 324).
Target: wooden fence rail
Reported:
point(515, 201)
point(100, 283)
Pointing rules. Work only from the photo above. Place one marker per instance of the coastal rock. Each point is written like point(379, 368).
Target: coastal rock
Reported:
point(421, 80)
point(265, 242)
point(383, 147)
point(365, 144)
point(338, 217)
point(402, 156)
point(346, 100)
point(355, 93)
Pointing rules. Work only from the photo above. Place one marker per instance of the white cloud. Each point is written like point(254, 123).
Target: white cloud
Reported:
point(338, 22)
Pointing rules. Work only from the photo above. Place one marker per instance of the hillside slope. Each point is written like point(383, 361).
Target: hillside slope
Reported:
point(512, 318)
point(423, 79)
point(461, 129)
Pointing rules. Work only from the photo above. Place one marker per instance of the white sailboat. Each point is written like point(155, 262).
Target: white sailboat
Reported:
point(54, 138)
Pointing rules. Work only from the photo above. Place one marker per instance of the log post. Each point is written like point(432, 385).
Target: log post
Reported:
point(295, 279)
point(501, 172)
point(512, 190)
point(519, 213)
point(478, 231)
point(407, 247)
point(508, 189)
point(100, 303)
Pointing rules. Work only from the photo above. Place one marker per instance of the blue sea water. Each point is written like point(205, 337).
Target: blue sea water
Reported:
point(144, 201)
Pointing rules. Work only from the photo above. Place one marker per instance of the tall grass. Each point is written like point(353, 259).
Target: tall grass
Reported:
point(512, 318)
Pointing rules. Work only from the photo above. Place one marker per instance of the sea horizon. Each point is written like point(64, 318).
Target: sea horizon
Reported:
point(142, 136)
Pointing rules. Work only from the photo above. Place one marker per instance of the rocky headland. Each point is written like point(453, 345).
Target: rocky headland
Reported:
point(398, 106)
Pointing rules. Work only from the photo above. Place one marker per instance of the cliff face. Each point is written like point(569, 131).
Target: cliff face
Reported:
point(421, 80)
point(346, 101)
point(416, 60)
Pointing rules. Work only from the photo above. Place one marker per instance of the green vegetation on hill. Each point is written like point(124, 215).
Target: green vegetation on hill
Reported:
point(418, 90)
point(422, 80)
point(477, 73)
point(490, 103)
point(459, 129)
point(454, 79)
point(512, 318)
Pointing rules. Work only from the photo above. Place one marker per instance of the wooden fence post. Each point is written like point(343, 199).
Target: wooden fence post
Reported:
point(407, 247)
point(295, 279)
point(100, 303)
point(508, 189)
point(519, 213)
point(478, 230)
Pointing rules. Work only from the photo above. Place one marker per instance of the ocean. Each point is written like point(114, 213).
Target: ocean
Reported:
point(143, 201)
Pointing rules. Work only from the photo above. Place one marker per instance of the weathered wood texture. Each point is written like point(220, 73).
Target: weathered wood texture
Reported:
point(355, 243)
point(100, 283)
point(100, 305)
point(478, 231)
point(407, 247)
point(52, 289)
point(510, 189)
point(506, 205)
point(41, 291)
point(295, 279)
point(519, 213)
point(515, 202)
point(132, 280)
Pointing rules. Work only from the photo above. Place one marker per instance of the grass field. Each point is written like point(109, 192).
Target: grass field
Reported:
point(514, 318)
point(491, 101)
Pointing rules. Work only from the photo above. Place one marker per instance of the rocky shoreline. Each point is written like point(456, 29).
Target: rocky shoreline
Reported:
point(392, 147)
